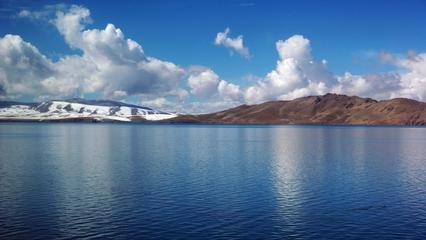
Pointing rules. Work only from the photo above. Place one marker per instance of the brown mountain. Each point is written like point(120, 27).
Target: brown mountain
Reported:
point(326, 109)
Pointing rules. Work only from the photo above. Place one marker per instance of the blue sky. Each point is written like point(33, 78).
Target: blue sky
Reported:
point(349, 35)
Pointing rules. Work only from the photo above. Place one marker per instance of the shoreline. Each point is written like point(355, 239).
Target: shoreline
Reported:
point(147, 122)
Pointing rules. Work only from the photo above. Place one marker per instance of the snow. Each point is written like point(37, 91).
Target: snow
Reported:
point(58, 110)
point(157, 117)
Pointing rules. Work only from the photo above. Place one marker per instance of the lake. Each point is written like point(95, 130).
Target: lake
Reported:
point(62, 180)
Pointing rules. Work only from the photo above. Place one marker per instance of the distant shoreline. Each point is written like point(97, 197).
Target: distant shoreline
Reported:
point(328, 109)
point(207, 124)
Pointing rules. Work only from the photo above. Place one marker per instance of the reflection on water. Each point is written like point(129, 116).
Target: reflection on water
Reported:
point(183, 181)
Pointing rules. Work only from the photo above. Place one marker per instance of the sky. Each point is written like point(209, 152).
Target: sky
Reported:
point(203, 56)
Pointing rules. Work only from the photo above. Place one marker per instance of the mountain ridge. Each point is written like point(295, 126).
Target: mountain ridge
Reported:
point(326, 109)
point(79, 110)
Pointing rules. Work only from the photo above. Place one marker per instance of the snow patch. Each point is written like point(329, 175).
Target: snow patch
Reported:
point(62, 110)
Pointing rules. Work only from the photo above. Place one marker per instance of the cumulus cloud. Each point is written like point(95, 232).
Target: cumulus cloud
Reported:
point(117, 67)
point(234, 44)
point(110, 63)
point(296, 74)
point(407, 80)
point(121, 63)
point(413, 78)
point(229, 92)
point(22, 67)
point(204, 82)
point(379, 86)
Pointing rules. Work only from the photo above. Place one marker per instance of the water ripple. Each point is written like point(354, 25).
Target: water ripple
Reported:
point(66, 181)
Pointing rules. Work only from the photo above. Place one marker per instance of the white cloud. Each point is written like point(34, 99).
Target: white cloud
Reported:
point(408, 80)
point(229, 92)
point(119, 94)
point(110, 63)
point(296, 74)
point(22, 67)
point(313, 88)
point(296, 47)
point(121, 63)
point(159, 103)
point(191, 107)
point(234, 44)
point(117, 67)
point(203, 82)
point(413, 78)
point(71, 22)
point(198, 107)
point(44, 14)
point(379, 86)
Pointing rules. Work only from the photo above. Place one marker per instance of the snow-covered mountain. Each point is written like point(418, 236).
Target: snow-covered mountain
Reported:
point(79, 110)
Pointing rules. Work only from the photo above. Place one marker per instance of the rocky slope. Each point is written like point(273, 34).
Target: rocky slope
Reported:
point(327, 109)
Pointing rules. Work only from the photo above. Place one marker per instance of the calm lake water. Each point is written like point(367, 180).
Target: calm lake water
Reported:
point(199, 181)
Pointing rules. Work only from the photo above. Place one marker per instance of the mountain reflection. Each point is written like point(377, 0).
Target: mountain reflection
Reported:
point(109, 180)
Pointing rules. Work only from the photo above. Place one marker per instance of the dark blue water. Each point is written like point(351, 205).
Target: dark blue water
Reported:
point(185, 181)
